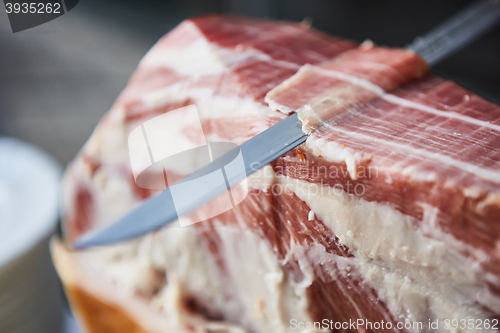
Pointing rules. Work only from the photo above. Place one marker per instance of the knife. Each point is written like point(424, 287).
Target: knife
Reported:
point(265, 147)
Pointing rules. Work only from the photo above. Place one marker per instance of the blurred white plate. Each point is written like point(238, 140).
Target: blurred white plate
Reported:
point(30, 301)
point(29, 181)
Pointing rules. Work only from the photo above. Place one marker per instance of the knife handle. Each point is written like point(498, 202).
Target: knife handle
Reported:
point(458, 31)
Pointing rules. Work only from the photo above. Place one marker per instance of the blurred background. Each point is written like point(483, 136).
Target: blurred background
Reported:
point(58, 79)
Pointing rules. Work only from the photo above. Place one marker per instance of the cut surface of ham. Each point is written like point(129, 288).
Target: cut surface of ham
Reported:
point(387, 215)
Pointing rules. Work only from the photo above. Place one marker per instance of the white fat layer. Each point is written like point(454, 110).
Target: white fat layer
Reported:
point(270, 300)
point(75, 269)
point(108, 144)
point(209, 106)
point(335, 152)
point(191, 271)
point(198, 58)
point(417, 276)
point(262, 179)
point(108, 185)
point(256, 293)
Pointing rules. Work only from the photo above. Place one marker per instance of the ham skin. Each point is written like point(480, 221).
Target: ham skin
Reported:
point(389, 212)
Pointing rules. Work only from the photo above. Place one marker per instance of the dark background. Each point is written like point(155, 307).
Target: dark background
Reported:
point(58, 79)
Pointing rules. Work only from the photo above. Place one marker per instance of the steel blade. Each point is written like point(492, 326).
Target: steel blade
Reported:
point(160, 209)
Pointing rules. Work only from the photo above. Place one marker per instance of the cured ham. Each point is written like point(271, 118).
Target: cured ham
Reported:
point(387, 214)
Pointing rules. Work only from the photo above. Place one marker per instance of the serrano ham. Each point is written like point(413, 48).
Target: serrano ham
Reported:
point(387, 215)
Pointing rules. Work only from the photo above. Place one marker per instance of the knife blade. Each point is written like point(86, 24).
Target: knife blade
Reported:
point(265, 147)
point(160, 209)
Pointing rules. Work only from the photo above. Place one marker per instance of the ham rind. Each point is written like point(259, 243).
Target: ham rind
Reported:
point(388, 213)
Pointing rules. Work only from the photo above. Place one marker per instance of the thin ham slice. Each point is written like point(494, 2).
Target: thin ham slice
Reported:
point(320, 92)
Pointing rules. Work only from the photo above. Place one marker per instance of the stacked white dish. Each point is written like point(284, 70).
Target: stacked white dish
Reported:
point(30, 299)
